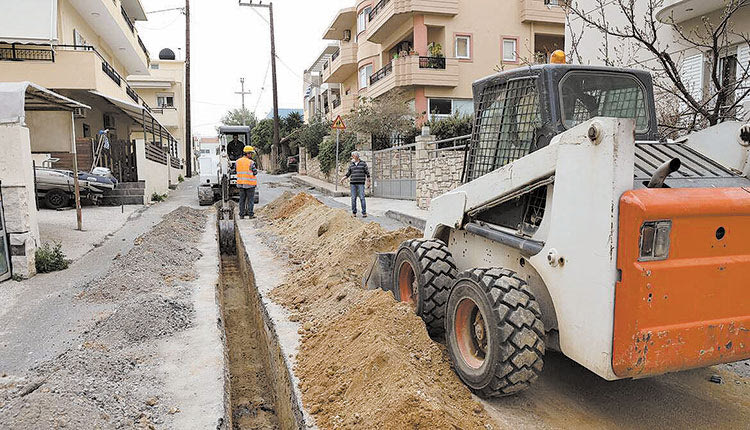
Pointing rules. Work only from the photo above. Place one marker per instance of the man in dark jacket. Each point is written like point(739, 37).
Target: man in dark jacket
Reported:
point(358, 174)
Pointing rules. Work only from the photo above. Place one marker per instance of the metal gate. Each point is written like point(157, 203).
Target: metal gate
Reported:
point(4, 249)
point(394, 173)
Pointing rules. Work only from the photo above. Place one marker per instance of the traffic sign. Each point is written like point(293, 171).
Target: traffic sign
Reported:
point(338, 124)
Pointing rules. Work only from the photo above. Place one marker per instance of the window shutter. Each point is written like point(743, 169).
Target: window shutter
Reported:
point(692, 75)
point(743, 70)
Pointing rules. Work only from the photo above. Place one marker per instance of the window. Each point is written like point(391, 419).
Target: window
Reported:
point(364, 76)
point(108, 120)
point(614, 95)
point(165, 101)
point(362, 19)
point(443, 108)
point(86, 130)
point(440, 108)
point(463, 47)
point(509, 50)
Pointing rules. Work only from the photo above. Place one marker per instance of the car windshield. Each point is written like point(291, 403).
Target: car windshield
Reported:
point(585, 95)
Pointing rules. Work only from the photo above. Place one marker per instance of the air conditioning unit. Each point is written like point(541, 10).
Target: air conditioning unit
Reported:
point(79, 112)
point(347, 35)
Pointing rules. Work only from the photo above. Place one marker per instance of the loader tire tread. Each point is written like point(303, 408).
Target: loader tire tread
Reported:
point(437, 273)
point(520, 327)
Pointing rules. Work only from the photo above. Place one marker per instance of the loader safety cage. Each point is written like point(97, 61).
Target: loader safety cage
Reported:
point(520, 111)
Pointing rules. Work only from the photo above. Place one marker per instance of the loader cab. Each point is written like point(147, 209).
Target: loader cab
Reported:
point(235, 137)
point(519, 111)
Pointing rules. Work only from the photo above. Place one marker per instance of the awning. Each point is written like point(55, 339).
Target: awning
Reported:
point(18, 97)
point(140, 115)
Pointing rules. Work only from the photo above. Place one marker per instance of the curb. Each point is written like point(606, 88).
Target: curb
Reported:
point(323, 190)
point(411, 220)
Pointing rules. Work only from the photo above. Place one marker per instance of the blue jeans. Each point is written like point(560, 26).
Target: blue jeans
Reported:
point(247, 201)
point(358, 190)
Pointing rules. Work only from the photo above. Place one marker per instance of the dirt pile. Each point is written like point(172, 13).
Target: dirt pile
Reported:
point(366, 361)
point(110, 376)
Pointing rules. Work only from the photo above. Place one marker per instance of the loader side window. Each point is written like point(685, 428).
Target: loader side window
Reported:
point(506, 126)
point(585, 95)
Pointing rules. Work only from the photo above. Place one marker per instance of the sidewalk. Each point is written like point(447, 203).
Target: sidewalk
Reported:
point(404, 211)
point(323, 187)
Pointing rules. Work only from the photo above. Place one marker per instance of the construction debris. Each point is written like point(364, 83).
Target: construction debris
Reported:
point(366, 361)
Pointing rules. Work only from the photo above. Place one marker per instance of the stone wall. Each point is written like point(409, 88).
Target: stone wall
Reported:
point(438, 173)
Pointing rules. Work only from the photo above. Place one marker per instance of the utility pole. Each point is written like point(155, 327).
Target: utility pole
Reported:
point(188, 131)
point(275, 143)
point(242, 93)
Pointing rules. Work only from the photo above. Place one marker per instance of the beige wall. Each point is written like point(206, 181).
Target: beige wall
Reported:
point(50, 131)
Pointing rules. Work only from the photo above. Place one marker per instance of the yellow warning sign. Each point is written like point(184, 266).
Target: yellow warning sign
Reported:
point(338, 124)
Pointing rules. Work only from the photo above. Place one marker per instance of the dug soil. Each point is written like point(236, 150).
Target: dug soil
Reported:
point(365, 361)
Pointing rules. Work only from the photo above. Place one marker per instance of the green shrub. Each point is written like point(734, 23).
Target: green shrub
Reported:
point(180, 179)
point(327, 151)
point(156, 197)
point(454, 126)
point(50, 258)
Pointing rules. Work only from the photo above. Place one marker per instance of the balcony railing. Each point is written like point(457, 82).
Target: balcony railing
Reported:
point(325, 65)
point(13, 53)
point(131, 93)
point(112, 73)
point(127, 20)
point(432, 62)
point(145, 51)
point(336, 103)
point(382, 73)
point(335, 55)
point(378, 7)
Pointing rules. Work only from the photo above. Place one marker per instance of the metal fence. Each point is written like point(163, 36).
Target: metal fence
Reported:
point(394, 172)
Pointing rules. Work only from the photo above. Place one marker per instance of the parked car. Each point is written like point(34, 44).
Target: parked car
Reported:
point(292, 163)
point(56, 188)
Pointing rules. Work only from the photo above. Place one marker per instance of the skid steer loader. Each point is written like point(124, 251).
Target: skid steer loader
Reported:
point(577, 230)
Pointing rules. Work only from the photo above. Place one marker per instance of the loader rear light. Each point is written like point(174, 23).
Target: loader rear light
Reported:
point(654, 240)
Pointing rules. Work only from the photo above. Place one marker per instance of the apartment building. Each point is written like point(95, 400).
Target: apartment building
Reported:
point(163, 89)
point(82, 49)
point(433, 50)
point(694, 62)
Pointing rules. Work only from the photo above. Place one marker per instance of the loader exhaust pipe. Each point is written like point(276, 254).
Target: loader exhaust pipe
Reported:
point(661, 174)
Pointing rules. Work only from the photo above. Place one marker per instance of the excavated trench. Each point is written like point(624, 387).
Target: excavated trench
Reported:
point(258, 383)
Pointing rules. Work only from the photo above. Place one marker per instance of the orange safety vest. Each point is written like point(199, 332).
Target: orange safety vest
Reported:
point(245, 174)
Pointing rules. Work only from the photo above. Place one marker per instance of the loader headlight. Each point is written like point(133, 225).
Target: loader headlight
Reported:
point(654, 241)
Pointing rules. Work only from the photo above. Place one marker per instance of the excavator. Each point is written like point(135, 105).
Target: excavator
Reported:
point(577, 229)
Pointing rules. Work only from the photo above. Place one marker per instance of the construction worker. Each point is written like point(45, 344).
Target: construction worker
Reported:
point(246, 182)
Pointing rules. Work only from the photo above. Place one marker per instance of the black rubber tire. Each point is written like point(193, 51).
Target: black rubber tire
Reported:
point(434, 271)
point(56, 199)
point(514, 351)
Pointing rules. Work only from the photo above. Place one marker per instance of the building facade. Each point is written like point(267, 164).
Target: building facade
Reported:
point(163, 89)
point(430, 50)
point(83, 50)
point(587, 45)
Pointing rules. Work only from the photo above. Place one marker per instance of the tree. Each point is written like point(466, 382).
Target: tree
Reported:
point(292, 122)
point(236, 117)
point(642, 35)
point(261, 136)
point(384, 116)
point(311, 135)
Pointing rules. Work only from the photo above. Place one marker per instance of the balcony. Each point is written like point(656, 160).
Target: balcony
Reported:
point(344, 105)
point(342, 63)
point(684, 10)
point(167, 116)
point(547, 11)
point(66, 67)
point(344, 21)
point(113, 23)
point(388, 15)
point(414, 71)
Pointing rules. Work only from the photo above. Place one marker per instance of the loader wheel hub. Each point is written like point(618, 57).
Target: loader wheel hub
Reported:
point(407, 284)
point(471, 333)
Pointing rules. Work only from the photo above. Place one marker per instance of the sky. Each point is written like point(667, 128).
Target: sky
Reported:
point(229, 41)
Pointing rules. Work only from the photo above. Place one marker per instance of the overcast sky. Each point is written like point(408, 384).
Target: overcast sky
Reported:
point(229, 41)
